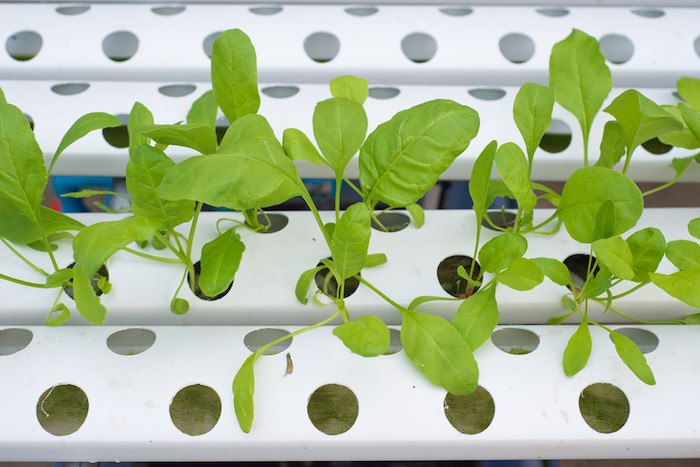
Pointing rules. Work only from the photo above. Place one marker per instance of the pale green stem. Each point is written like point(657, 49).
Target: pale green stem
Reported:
point(25, 260)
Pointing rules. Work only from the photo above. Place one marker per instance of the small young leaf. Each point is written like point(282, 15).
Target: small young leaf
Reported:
point(243, 391)
point(83, 126)
point(350, 87)
point(578, 350)
point(298, 147)
point(59, 278)
point(480, 180)
point(532, 112)
point(689, 89)
point(633, 357)
point(477, 317)
point(684, 254)
point(367, 336)
point(513, 169)
point(694, 227)
point(680, 139)
point(417, 213)
point(612, 145)
point(179, 306)
point(340, 126)
point(557, 320)
point(683, 285)
point(605, 220)
point(522, 274)
point(87, 193)
point(86, 301)
point(2, 97)
point(692, 319)
point(140, 119)
point(304, 284)
point(440, 352)
point(568, 303)
point(418, 301)
point(554, 269)
point(197, 136)
point(648, 247)
point(691, 118)
point(614, 253)
point(203, 111)
point(375, 259)
point(500, 251)
point(59, 315)
point(104, 285)
point(596, 286)
point(351, 240)
point(219, 264)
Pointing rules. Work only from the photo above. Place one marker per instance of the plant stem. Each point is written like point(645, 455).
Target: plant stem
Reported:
point(22, 282)
point(636, 287)
point(338, 186)
point(585, 147)
point(476, 248)
point(542, 224)
point(169, 246)
point(641, 321)
point(354, 187)
point(153, 257)
point(673, 181)
point(264, 348)
point(310, 203)
point(25, 260)
point(381, 294)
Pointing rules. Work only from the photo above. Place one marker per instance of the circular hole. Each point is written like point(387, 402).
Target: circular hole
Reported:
point(168, 10)
point(102, 272)
point(553, 12)
point(655, 146)
point(502, 219)
point(419, 47)
point(222, 125)
point(696, 46)
point(390, 221)
point(604, 407)
point(24, 45)
point(456, 11)
point(274, 222)
point(131, 341)
point(265, 10)
point(361, 10)
point(72, 10)
point(333, 409)
point(617, 49)
point(328, 285)
point(254, 340)
point(208, 43)
point(557, 137)
point(383, 92)
point(69, 89)
point(30, 120)
point(487, 94)
point(62, 409)
point(195, 409)
point(578, 268)
point(198, 292)
point(470, 414)
point(117, 136)
point(177, 90)
point(395, 344)
point(280, 92)
point(645, 340)
point(14, 340)
point(450, 281)
point(322, 47)
point(120, 46)
point(517, 47)
point(648, 12)
point(515, 341)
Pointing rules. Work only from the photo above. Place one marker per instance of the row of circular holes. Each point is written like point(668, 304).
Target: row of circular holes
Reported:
point(322, 47)
point(332, 408)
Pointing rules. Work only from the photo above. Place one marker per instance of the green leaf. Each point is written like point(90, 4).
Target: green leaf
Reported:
point(140, 120)
point(403, 158)
point(648, 247)
point(144, 173)
point(513, 169)
point(243, 391)
point(500, 251)
point(612, 146)
point(375, 259)
point(54, 221)
point(350, 87)
point(477, 317)
point(98, 242)
point(252, 172)
point(480, 180)
point(440, 352)
point(691, 118)
point(584, 194)
point(299, 148)
point(219, 264)
point(179, 306)
point(59, 278)
point(640, 118)
point(197, 136)
point(234, 74)
point(532, 112)
point(86, 301)
point(88, 193)
point(568, 303)
point(681, 164)
point(633, 357)
point(417, 213)
point(522, 274)
point(578, 349)
point(554, 269)
point(615, 253)
point(367, 336)
point(684, 254)
point(203, 111)
point(351, 240)
point(2, 97)
point(83, 126)
point(680, 139)
point(304, 284)
point(595, 287)
point(683, 285)
point(580, 77)
point(340, 126)
point(692, 319)
point(694, 227)
point(605, 220)
point(689, 89)
point(59, 315)
point(557, 320)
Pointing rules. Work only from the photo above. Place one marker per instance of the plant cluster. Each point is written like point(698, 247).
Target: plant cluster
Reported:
point(249, 169)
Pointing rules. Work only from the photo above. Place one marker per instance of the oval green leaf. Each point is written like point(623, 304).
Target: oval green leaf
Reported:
point(367, 336)
point(221, 258)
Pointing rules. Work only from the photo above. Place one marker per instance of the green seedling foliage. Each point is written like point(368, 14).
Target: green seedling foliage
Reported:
point(616, 255)
point(403, 158)
point(351, 241)
point(59, 278)
point(417, 214)
point(480, 180)
point(304, 284)
point(689, 89)
point(203, 111)
point(299, 148)
point(140, 120)
point(513, 169)
point(367, 336)
point(440, 352)
point(54, 221)
point(522, 274)
point(585, 193)
point(221, 258)
point(683, 138)
point(477, 317)
point(648, 247)
point(350, 87)
point(251, 171)
point(612, 145)
point(554, 269)
point(684, 254)
point(340, 126)
point(179, 306)
point(234, 74)
point(375, 259)
point(84, 125)
point(197, 136)
point(86, 301)
point(499, 252)
point(58, 315)
point(694, 227)
point(683, 285)
point(691, 118)
point(633, 357)
point(692, 319)
point(243, 391)
point(2, 97)
point(578, 349)
point(532, 112)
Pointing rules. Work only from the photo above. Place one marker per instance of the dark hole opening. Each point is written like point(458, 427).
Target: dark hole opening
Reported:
point(198, 291)
point(578, 268)
point(390, 221)
point(655, 146)
point(327, 284)
point(273, 222)
point(502, 219)
point(451, 282)
point(102, 272)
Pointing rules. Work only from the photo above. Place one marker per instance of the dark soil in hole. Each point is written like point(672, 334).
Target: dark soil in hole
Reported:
point(274, 222)
point(578, 267)
point(327, 284)
point(655, 146)
point(198, 292)
point(117, 136)
point(555, 142)
point(451, 282)
point(503, 219)
point(102, 272)
point(391, 222)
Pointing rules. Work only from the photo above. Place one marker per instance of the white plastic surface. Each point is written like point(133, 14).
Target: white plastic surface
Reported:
point(400, 413)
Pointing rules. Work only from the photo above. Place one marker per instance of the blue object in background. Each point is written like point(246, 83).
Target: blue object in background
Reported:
point(62, 185)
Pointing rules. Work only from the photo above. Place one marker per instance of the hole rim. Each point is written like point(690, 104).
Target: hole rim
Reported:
point(198, 411)
point(197, 292)
point(351, 284)
point(648, 13)
point(610, 45)
point(515, 341)
point(70, 88)
point(473, 406)
point(553, 11)
point(383, 93)
point(503, 219)
point(419, 47)
point(393, 221)
point(266, 10)
point(361, 11)
point(120, 46)
point(326, 402)
point(606, 426)
point(260, 337)
point(102, 272)
point(322, 46)
point(68, 423)
point(280, 91)
point(28, 38)
point(72, 9)
point(555, 142)
point(487, 94)
point(14, 340)
point(140, 343)
point(447, 275)
point(168, 9)
point(177, 90)
point(517, 48)
point(646, 340)
point(278, 222)
point(456, 11)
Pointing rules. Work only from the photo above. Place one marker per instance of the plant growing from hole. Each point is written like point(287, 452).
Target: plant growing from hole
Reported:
point(25, 221)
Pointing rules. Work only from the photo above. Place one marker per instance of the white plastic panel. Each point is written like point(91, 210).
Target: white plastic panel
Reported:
point(401, 415)
point(263, 291)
